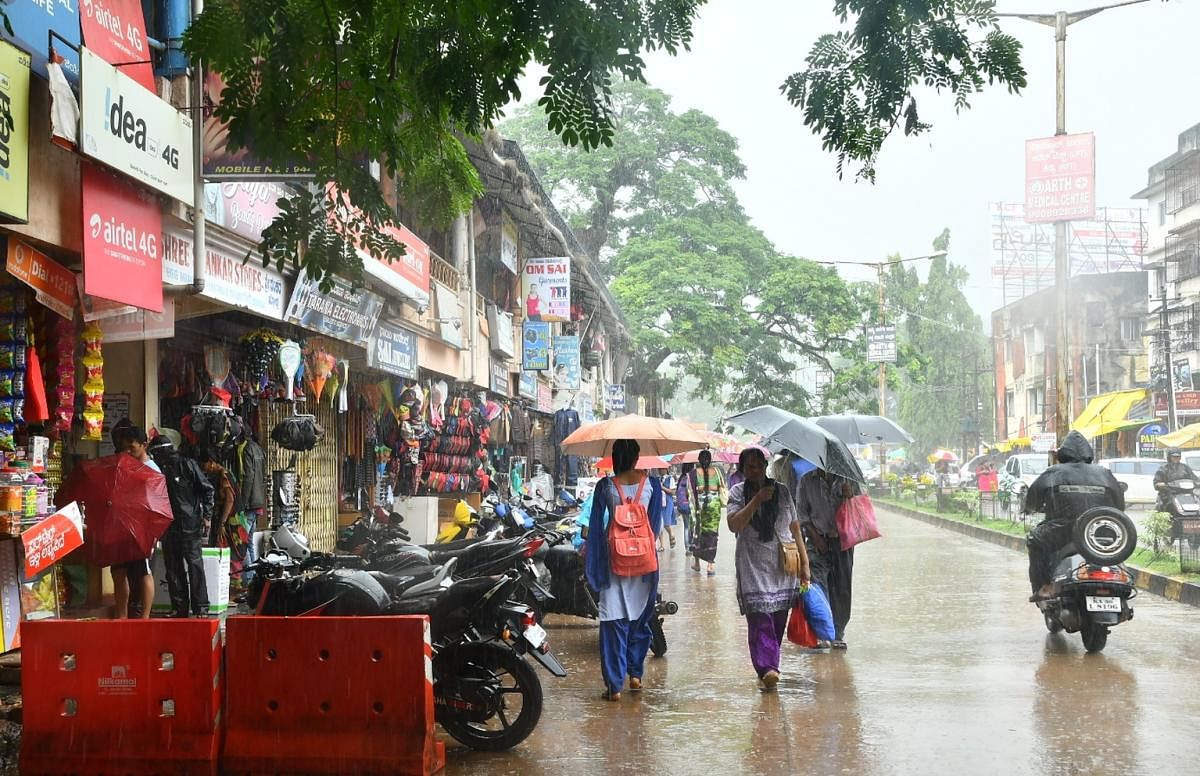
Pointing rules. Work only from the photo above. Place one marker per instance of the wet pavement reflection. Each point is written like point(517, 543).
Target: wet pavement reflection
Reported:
point(949, 670)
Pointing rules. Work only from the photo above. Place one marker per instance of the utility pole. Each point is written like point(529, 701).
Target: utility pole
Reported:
point(1164, 331)
point(882, 365)
point(1060, 21)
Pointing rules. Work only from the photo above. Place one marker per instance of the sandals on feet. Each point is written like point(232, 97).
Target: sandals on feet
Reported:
point(609, 695)
point(635, 684)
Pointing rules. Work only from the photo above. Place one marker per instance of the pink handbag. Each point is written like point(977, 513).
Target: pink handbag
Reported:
point(856, 521)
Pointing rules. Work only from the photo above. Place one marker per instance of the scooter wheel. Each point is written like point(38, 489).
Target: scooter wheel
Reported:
point(1052, 625)
point(1104, 536)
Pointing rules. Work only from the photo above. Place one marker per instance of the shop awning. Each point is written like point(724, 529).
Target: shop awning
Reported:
point(1186, 437)
point(1107, 413)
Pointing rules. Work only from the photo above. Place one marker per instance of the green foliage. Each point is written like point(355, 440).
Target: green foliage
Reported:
point(860, 85)
point(332, 84)
point(1156, 533)
point(706, 294)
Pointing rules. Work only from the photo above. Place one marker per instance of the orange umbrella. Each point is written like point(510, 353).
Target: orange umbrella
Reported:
point(656, 436)
point(643, 462)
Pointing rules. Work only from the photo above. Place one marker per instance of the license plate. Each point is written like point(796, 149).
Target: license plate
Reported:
point(1103, 603)
point(535, 635)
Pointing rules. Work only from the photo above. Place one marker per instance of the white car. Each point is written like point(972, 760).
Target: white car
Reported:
point(1018, 474)
point(966, 472)
point(1138, 475)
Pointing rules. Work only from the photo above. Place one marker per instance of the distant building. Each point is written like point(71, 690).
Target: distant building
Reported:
point(1106, 317)
point(1173, 263)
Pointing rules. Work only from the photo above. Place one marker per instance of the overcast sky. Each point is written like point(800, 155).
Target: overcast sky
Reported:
point(1131, 78)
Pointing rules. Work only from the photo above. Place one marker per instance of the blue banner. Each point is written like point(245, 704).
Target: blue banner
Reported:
point(527, 385)
point(33, 21)
point(393, 349)
point(535, 345)
point(566, 363)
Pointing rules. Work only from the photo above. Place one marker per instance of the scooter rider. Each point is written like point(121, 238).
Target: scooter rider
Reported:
point(1064, 492)
point(1173, 469)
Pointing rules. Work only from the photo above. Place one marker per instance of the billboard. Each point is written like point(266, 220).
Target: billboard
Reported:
point(881, 344)
point(546, 289)
point(1023, 253)
point(1060, 178)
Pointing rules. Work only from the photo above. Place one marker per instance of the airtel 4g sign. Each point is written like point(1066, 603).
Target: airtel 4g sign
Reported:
point(128, 127)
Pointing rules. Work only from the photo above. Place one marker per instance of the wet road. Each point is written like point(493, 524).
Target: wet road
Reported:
point(948, 670)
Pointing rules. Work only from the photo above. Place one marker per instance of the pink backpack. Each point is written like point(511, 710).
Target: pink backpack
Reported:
point(631, 546)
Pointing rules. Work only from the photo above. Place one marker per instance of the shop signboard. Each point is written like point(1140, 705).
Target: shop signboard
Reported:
point(178, 268)
point(132, 130)
point(1060, 178)
point(122, 227)
point(566, 362)
point(52, 283)
point(586, 403)
point(616, 398)
point(881, 344)
point(546, 289)
point(393, 349)
point(545, 398)
point(343, 312)
point(535, 345)
point(500, 379)
point(231, 280)
point(527, 385)
point(52, 539)
point(450, 322)
point(1148, 439)
point(508, 241)
point(1043, 442)
point(500, 331)
point(115, 30)
point(244, 207)
point(14, 140)
point(33, 21)
point(1186, 403)
point(221, 164)
point(141, 325)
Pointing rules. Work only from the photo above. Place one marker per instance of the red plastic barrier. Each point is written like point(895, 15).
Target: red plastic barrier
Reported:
point(135, 697)
point(325, 695)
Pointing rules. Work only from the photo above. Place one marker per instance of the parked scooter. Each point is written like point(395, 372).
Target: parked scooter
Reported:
point(1092, 590)
point(486, 694)
point(1184, 508)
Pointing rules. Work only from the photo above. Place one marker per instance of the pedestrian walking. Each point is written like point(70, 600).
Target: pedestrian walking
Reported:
point(628, 498)
point(763, 518)
point(191, 496)
point(707, 509)
point(683, 503)
point(819, 494)
point(668, 515)
point(133, 582)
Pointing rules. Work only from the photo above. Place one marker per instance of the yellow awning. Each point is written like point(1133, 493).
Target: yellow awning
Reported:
point(1004, 446)
point(1188, 436)
point(1107, 412)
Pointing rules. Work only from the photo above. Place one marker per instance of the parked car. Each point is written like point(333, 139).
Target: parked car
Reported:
point(1138, 475)
point(1018, 474)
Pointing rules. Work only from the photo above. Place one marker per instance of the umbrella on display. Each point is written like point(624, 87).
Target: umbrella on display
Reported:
point(655, 436)
point(942, 454)
point(127, 508)
point(864, 429)
point(781, 430)
point(643, 462)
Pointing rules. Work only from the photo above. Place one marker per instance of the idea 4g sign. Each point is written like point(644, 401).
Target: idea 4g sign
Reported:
point(131, 130)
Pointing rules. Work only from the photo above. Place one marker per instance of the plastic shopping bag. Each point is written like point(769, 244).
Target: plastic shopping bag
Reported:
point(818, 613)
point(856, 521)
point(798, 630)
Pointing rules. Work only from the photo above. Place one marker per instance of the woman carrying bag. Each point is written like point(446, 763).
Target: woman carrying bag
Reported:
point(770, 559)
point(710, 497)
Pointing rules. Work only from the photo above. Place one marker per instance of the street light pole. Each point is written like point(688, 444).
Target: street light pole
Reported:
point(1060, 21)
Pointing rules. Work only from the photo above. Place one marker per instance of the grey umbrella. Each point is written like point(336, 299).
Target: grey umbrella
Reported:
point(786, 431)
point(864, 429)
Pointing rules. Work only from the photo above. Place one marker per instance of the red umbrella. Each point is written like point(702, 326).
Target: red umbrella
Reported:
point(643, 462)
point(127, 508)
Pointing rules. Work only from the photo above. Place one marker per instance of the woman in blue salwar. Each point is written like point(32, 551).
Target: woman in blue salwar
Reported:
point(626, 603)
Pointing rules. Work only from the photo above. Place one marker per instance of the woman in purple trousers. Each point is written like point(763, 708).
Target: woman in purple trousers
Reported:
point(763, 515)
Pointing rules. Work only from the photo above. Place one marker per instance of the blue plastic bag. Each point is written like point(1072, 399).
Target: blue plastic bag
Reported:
point(817, 612)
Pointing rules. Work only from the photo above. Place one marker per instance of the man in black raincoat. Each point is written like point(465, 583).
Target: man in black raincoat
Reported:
point(1173, 469)
point(1064, 492)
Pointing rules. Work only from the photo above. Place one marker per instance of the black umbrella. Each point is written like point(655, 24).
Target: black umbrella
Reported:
point(864, 429)
point(784, 431)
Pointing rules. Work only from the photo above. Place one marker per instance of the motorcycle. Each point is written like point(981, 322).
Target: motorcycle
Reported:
point(1092, 590)
point(480, 638)
point(1179, 497)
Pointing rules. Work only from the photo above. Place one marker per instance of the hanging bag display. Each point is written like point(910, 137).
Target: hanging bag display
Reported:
point(856, 521)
